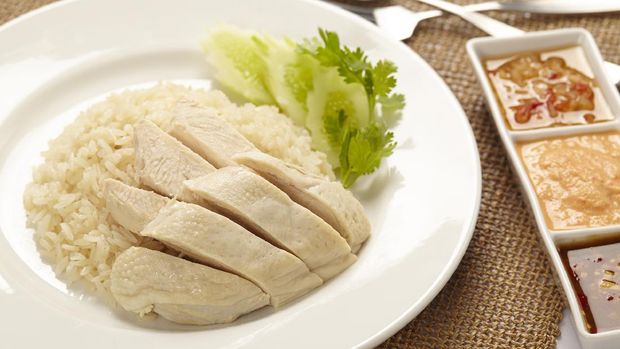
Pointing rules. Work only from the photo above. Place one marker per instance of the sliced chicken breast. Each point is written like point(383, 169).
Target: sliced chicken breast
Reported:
point(131, 207)
point(258, 205)
point(327, 199)
point(217, 241)
point(204, 132)
point(144, 280)
point(162, 162)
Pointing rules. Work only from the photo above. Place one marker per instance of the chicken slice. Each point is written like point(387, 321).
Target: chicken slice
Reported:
point(327, 199)
point(162, 162)
point(211, 239)
point(208, 135)
point(215, 240)
point(131, 207)
point(144, 280)
point(258, 205)
point(219, 143)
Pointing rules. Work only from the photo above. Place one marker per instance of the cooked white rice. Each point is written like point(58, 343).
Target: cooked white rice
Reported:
point(64, 202)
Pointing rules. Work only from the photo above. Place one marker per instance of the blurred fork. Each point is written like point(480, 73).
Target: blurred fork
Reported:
point(397, 21)
point(400, 23)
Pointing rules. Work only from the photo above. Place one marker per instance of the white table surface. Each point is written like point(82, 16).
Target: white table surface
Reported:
point(568, 336)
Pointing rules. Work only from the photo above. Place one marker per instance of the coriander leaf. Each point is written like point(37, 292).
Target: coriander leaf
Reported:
point(328, 53)
point(362, 152)
point(352, 65)
point(382, 77)
point(334, 125)
point(343, 157)
point(391, 107)
point(360, 149)
point(395, 101)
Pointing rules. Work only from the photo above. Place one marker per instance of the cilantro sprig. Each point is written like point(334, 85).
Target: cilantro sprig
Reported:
point(360, 149)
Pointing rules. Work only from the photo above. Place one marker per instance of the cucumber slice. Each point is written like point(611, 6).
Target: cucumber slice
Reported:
point(240, 63)
point(290, 78)
point(330, 96)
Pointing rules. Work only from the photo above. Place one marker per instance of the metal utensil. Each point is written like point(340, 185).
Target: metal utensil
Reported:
point(485, 23)
point(402, 22)
point(369, 10)
point(397, 21)
point(496, 28)
point(533, 6)
point(560, 6)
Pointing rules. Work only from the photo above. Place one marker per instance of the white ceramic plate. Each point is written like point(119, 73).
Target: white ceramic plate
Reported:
point(423, 203)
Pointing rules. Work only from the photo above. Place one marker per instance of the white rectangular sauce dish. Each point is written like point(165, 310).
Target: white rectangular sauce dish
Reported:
point(553, 234)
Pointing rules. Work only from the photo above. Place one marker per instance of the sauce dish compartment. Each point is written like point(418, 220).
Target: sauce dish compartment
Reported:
point(574, 178)
point(592, 272)
point(482, 49)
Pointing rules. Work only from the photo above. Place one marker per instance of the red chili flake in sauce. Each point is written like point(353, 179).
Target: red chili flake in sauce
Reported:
point(524, 111)
point(610, 298)
point(583, 90)
point(583, 300)
point(580, 86)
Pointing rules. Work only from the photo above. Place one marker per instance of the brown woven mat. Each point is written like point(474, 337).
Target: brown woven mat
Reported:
point(502, 295)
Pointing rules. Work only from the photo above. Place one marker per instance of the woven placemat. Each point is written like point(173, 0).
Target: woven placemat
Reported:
point(502, 295)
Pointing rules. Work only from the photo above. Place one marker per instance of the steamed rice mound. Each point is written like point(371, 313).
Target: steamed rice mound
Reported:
point(65, 204)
